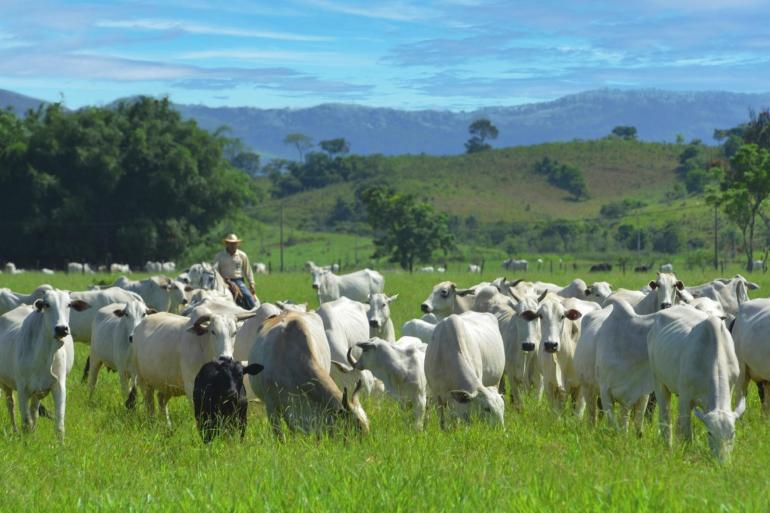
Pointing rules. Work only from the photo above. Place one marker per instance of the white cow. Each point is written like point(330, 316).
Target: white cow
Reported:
point(120, 268)
point(446, 299)
point(295, 384)
point(418, 328)
point(464, 364)
point(380, 323)
point(427, 269)
point(473, 268)
point(401, 368)
point(36, 354)
point(667, 268)
point(111, 344)
point(752, 345)
point(512, 264)
point(598, 291)
point(730, 293)
point(168, 267)
point(346, 325)
point(356, 286)
point(170, 349)
point(48, 271)
point(81, 322)
point(260, 268)
point(692, 356)
point(10, 299)
point(665, 292)
point(559, 335)
point(153, 267)
point(159, 292)
point(577, 289)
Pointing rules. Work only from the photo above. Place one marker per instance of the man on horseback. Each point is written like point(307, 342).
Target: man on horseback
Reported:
point(233, 265)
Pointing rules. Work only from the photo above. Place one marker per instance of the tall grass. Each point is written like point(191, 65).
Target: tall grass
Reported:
point(114, 460)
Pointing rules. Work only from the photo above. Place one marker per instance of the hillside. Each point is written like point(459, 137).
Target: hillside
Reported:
point(18, 102)
point(501, 185)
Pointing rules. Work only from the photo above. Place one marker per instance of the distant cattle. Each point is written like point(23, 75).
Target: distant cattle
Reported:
point(513, 264)
point(120, 268)
point(356, 286)
point(158, 292)
point(76, 267)
point(260, 268)
point(603, 267)
point(666, 268)
point(427, 269)
point(473, 268)
point(45, 270)
point(219, 397)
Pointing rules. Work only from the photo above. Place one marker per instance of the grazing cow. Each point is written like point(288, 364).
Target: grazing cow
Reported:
point(667, 268)
point(76, 267)
point(380, 323)
point(111, 344)
point(10, 299)
point(36, 354)
point(219, 397)
point(356, 286)
point(692, 355)
point(440, 269)
point(419, 328)
point(295, 383)
point(559, 335)
point(464, 364)
point(260, 268)
point(512, 264)
point(120, 268)
point(401, 368)
point(603, 267)
point(170, 349)
point(446, 299)
point(752, 346)
point(168, 267)
point(158, 292)
point(48, 271)
point(427, 269)
point(730, 293)
point(345, 324)
point(473, 268)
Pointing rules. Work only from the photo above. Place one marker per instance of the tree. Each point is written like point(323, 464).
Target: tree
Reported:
point(248, 162)
point(480, 130)
point(299, 141)
point(627, 133)
point(334, 147)
point(406, 231)
point(743, 191)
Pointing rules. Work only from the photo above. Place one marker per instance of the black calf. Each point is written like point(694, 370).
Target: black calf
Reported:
point(219, 397)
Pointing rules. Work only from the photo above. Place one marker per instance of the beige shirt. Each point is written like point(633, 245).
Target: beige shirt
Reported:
point(234, 266)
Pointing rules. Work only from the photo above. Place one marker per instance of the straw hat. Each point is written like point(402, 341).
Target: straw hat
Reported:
point(231, 238)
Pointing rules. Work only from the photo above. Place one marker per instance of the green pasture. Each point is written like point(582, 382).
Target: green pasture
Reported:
point(114, 460)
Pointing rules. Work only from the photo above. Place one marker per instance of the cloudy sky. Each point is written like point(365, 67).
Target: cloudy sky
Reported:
point(449, 54)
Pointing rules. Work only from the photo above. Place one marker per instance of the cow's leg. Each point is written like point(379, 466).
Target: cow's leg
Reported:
point(419, 403)
point(96, 364)
point(639, 413)
point(86, 369)
point(163, 399)
point(34, 409)
point(664, 405)
point(124, 379)
point(60, 402)
point(23, 397)
point(607, 407)
point(742, 385)
point(149, 399)
point(243, 417)
point(578, 403)
point(9, 404)
point(684, 424)
point(441, 405)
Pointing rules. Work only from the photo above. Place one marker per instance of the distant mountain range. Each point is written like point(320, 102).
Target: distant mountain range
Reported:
point(658, 116)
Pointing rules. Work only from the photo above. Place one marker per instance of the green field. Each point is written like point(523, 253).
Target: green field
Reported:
point(113, 460)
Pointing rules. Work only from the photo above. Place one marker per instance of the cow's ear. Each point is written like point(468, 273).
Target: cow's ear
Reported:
point(151, 311)
point(253, 369)
point(39, 304)
point(464, 292)
point(653, 285)
point(79, 305)
point(120, 312)
point(392, 298)
point(573, 314)
point(680, 285)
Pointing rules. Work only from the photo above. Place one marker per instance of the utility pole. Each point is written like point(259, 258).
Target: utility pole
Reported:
point(281, 245)
point(638, 241)
point(716, 239)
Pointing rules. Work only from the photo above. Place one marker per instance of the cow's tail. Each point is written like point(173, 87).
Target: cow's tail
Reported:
point(86, 369)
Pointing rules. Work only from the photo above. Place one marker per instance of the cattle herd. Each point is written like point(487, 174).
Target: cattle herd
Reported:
point(586, 347)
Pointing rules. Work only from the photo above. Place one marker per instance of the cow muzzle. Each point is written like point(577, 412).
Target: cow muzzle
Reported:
point(663, 306)
point(61, 331)
point(425, 308)
point(551, 347)
point(315, 286)
point(130, 339)
point(184, 301)
point(528, 346)
point(374, 324)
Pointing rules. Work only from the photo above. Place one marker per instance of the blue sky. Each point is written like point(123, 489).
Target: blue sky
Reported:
point(450, 54)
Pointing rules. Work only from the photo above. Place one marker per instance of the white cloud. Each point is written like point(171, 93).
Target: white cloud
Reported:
point(198, 28)
point(315, 58)
point(392, 11)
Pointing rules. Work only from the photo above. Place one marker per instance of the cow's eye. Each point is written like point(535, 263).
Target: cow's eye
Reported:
point(46, 304)
point(444, 293)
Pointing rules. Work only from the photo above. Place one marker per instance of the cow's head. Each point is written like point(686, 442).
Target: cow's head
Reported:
point(379, 309)
point(598, 291)
point(352, 413)
point(131, 314)
point(666, 286)
point(552, 315)
point(527, 321)
point(441, 299)
point(317, 276)
point(370, 353)
point(55, 307)
point(720, 425)
point(176, 294)
point(221, 329)
point(484, 402)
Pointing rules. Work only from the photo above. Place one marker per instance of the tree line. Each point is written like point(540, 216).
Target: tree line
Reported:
point(128, 183)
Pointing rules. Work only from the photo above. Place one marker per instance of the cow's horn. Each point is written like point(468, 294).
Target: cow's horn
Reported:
point(351, 360)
